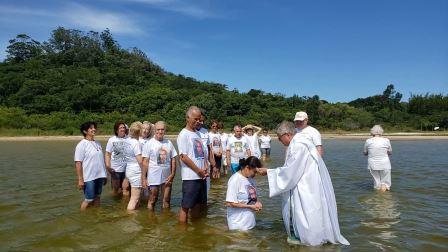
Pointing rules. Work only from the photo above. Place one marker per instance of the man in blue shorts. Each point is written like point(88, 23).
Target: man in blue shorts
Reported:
point(193, 153)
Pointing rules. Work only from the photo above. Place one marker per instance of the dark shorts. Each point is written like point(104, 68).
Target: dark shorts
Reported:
point(116, 179)
point(194, 192)
point(93, 189)
point(266, 151)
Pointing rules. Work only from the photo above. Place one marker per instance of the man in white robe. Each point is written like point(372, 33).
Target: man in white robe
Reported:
point(309, 205)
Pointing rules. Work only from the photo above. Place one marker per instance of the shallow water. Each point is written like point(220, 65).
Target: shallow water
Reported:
point(39, 205)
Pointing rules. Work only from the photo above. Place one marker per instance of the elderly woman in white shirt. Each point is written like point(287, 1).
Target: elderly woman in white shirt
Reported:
point(378, 150)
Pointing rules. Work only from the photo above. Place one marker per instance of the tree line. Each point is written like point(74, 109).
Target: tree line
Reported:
point(76, 76)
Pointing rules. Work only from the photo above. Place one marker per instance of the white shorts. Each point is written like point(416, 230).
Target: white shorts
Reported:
point(134, 175)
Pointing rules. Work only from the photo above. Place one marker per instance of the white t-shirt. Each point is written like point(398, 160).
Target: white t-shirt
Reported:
point(238, 148)
point(143, 141)
point(160, 154)
point(265, 141)
point(224, 140)
point(313, 133)
point(116, 147)
point(377, 148)
point(90, 154)
point(253, 145)
point(215, 141)
point(241, 190)
point(132, 150)
point(194, 146)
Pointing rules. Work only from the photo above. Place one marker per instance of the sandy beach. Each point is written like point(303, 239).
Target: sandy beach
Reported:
point(353, 136)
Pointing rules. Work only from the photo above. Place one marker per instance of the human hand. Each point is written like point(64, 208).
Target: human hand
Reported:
point(262, 171)
point(80, 184)
point(169, 180)
point(257, 206)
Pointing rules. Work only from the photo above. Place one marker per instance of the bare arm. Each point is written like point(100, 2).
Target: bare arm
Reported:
point(170, 178)
point(228, 157)
point(140, 163)
point(256, 207)
point(107, 157)
point(145, 166)
point(257, 129)
point(78, 166)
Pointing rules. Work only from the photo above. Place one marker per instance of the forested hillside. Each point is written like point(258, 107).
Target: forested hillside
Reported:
point(76, 76)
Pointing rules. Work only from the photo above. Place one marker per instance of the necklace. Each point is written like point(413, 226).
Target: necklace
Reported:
point(93, 143)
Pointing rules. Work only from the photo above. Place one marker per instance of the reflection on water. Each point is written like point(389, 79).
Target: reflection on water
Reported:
point(39, 205)
point(383, 216)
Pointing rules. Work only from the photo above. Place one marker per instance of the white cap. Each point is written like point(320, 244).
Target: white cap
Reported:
point(300, 116)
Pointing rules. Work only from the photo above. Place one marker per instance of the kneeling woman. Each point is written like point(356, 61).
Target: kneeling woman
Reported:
point(134, 169)
point(241, 196)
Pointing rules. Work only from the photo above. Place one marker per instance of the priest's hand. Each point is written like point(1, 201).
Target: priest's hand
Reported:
point(262, 171)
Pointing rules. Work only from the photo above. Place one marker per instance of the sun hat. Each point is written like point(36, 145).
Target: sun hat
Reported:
point(300, 116)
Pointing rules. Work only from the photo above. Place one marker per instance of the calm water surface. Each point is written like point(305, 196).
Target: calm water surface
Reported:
point(39, 205)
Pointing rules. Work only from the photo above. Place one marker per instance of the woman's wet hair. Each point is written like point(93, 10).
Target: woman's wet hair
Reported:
point(85, 126)
point(252, 162)
point(117, 125)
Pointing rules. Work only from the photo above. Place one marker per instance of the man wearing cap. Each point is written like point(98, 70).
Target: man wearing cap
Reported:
point(301, 122)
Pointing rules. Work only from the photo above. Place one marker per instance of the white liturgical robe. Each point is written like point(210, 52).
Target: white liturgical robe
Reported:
point(309, 205)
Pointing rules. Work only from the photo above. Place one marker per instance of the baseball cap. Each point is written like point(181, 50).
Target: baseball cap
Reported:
point(300, 116)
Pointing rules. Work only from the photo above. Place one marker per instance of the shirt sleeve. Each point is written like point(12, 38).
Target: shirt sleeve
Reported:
point(109, 146)
point(317, 138)
point(136, 148)
point(232, 191)
point(145, 150)
point(182, 144)
point(79, 152)
point(389, 145)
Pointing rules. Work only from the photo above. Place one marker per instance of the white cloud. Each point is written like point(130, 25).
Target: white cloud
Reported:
point(73, 14)
point(99, 20)
point(182, 7)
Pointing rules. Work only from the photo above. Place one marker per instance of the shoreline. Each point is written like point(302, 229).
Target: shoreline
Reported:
point(346, 136)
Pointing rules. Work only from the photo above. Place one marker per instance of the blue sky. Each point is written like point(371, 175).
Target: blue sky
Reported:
point(339, 50)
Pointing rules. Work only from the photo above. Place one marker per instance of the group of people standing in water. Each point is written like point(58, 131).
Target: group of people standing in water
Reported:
point(141, 160)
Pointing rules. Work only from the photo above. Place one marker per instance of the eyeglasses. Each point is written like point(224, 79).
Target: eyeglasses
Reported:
point(280, 137)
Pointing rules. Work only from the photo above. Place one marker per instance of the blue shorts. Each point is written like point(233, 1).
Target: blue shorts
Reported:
point(93, 189)
point(234, 167)
point(194, 192)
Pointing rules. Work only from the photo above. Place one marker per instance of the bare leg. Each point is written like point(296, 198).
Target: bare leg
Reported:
point(166, 192)
point(96, 202)
point(183, 215)
point(84, 205)
point(196, 211)
point(126, 187)
point(153, 197)
point(135, 195)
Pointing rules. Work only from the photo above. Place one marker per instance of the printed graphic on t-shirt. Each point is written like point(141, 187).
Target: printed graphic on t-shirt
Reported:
point(118, 150)
point(216, 142)
point(198, 148)
point(238, 146)
point(252, 193)
point(162, 156)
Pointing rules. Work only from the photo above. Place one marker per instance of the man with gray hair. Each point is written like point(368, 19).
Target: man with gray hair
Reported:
point(193, 155)
point(309, 205)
